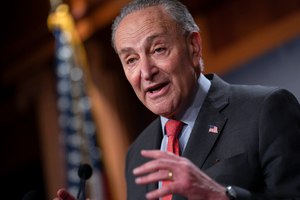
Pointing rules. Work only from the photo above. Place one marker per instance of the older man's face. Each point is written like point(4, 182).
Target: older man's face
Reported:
point(159, 61)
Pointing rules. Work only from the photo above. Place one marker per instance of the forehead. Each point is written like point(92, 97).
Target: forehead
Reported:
point(142, 24)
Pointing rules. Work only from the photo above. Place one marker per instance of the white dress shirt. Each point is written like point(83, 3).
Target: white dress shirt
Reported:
point(189, 116)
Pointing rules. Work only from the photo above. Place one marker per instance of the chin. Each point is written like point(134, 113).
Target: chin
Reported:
point(165, 109)
point(156, 110)
point(162, 112)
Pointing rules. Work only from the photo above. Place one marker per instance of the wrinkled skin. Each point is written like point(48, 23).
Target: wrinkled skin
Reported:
point(160, 62)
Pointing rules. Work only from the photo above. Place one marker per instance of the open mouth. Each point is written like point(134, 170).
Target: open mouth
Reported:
point(156, 88)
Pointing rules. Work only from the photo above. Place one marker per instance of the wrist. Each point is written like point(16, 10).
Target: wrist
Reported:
point(230, 193)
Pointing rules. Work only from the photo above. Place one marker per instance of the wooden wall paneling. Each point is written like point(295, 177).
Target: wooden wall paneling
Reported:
point(246, 47)
point(50, 140)
point(112, 133)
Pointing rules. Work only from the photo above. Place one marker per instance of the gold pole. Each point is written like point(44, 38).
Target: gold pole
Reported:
point(111, 132)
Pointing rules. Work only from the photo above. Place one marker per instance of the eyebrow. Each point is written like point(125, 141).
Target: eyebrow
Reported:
point(125, 50)
point(148, 41)
point(152, 37)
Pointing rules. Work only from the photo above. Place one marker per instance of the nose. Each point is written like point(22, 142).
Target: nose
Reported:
point(148, 68)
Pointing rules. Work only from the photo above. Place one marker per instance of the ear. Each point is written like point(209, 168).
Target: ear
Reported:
point(195, 47)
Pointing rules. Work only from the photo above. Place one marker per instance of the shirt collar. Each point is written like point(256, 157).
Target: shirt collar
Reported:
point(189, 116)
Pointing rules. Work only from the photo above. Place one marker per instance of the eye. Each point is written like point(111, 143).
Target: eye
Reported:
point(160, 50)
point(131, 61)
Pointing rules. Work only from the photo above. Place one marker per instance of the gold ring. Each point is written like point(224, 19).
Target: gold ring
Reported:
point(170, 175)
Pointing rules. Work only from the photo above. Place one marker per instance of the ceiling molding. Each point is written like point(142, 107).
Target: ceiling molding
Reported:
point(247, 48)
point(100, 18)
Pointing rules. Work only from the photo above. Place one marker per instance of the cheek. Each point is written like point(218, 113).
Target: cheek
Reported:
point(186, 80)
point(134, 80)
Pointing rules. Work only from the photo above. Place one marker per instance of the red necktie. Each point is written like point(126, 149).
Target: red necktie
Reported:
point(173, 129)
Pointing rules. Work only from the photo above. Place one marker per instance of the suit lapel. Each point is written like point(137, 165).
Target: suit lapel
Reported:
point(201, 140)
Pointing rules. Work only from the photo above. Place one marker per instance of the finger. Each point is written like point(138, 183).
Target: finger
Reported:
point(65, 195)
point(155, 165)
point(157, 154)
point(153, 177)
point(161, 192)
point(162, 158)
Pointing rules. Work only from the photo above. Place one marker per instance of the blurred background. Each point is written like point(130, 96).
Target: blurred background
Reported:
point(245, 42)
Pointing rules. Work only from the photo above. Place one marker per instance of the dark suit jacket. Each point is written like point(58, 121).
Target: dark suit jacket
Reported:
point(257, 148)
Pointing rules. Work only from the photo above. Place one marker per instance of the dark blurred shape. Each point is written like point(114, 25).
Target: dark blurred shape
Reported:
point(85, 171)
point(31, 195)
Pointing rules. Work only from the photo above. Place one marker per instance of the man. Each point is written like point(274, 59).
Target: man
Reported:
point(235, 142)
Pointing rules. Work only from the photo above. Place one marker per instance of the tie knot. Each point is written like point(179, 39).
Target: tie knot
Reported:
point(173, 127)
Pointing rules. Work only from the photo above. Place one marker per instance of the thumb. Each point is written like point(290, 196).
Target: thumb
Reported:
point(64, 194)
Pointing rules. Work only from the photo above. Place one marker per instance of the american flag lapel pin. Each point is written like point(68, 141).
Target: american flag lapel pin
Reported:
point(213, 129)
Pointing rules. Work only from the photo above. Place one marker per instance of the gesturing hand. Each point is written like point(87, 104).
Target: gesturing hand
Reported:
point(185, 178)
point(63, 194)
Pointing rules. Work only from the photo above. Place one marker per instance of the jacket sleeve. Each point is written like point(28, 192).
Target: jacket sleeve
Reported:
point(279, 148)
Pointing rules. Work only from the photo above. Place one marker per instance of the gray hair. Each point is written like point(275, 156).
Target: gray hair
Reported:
point(174, 8)
point(177, 11)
